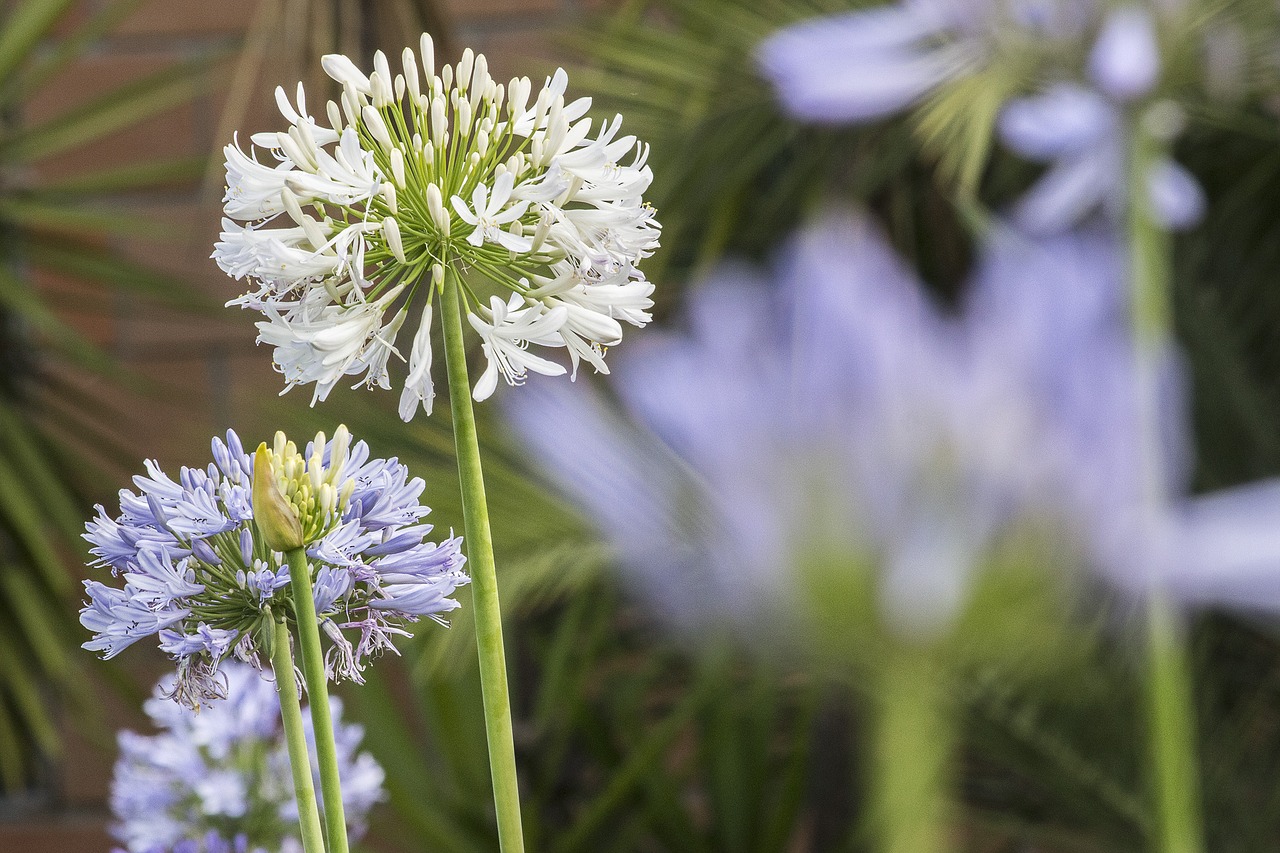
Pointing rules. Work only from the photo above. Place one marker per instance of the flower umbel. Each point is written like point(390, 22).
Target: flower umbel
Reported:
point(421, 173)
point(203, 570)
point(218, 781)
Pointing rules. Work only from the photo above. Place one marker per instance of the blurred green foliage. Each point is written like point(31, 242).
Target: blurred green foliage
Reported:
point(59, 227)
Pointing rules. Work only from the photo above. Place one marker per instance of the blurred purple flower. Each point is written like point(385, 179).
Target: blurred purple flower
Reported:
point(868, 64)
point(832, 407)
point(1086, 134)
point(1125, 61)
point(863, 65)
point(219, 781)
point(836, 408)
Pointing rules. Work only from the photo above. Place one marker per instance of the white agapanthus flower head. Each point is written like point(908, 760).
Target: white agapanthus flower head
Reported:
point(348, 225)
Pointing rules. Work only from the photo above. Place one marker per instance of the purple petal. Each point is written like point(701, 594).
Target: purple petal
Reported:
point(1177, 202)
point(1125, 61)
point(858, 66)
point(1063, 120)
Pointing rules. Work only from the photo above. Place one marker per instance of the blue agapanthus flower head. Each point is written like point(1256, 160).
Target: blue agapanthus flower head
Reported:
point(198, 575)
point(830, 406)
point(833, 407)
point(219, 781)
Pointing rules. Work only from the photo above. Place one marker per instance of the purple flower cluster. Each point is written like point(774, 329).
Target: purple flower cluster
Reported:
point(197, 574)
point(865, 65)
point(832, 408)
point(219, 781)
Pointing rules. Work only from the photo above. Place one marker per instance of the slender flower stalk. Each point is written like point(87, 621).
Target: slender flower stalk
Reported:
point(1170, 702)
point(912, 753)
point(296, 739)
point(486, 607)
point(430, 183)
point(205, 560)
point(313, 671)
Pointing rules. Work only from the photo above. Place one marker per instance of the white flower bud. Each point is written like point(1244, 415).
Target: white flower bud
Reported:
point(540, 233)
point(428, 50)
point(397, 167)
point(343, 70)
point(335, 116)
point(435, 206)
point(391, 232)
point(380, 90)
point(439, 122)
point(378, 129)
point(464, 117)
point(389, 195)
point(437, 275)
point(465, 66)
point(410, 63)
point(291, 205)
point(350, 107)
point(518, 91)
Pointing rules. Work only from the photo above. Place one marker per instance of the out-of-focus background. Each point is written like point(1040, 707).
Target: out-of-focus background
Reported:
point(115, 347)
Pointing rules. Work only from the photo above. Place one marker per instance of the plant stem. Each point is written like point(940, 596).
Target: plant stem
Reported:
point(911, 757)
point(335, 820)
point(296, 739)
point(1170, 700)
point(484, 578)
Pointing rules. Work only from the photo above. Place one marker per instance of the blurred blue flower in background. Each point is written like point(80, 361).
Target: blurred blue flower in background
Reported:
point(868, 64)
point(833, 408)
point(838, 409)
point(1085, 133)
point(219, 781)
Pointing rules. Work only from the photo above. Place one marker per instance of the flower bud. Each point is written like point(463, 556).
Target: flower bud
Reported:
point(276, 519)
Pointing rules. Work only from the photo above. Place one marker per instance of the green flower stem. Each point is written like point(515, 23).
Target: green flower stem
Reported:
point(335, 820)
point(1170, 700)
point(484, 578)
point(912, 750)
point(296, 739)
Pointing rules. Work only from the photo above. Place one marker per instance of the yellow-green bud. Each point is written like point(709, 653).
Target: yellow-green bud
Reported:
point(277, 520)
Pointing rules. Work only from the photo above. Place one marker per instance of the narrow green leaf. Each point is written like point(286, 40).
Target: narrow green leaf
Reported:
point(13, 758)
point(20, 514)
point(643, 762)
point(25, 688)
point(17, 297)
point(55, 496)
point(120, 108)
point(130, 178)
point(78, 219)
point(35, 617)
point(67, 50)
point(23, 28)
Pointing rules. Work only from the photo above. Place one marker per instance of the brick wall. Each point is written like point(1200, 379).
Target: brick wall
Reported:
point(208, 372)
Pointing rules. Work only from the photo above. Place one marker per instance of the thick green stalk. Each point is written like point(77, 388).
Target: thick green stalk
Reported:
point(484, 579)
point(911, 757)
point(335, 819)
point(296, 739)
point(1170, 701)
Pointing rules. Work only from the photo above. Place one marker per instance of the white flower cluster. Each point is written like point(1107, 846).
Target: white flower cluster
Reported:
point(424, 175)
